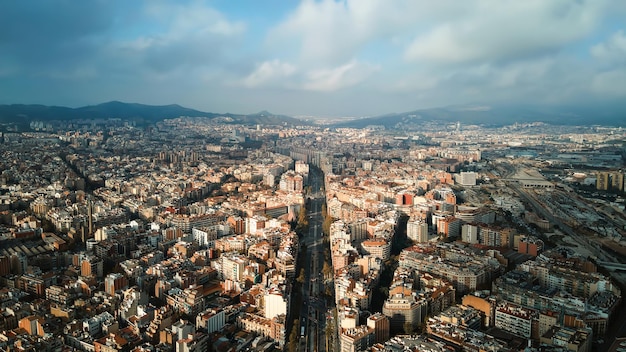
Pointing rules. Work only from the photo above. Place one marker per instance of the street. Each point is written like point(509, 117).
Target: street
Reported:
point(313, 311)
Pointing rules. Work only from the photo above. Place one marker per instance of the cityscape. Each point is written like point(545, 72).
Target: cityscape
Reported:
point(313, 176)
point(195, 235)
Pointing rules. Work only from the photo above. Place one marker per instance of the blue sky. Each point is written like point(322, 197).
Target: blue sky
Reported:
point(308, 58)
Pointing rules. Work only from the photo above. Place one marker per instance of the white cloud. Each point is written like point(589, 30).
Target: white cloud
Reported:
point(183, 19)
point(343, 76)
point(268, 73)
point(610, 83)
point(444, 51)
point(204, 20)
point(181, 35)
point(328, 56)
point(524, 73)
point(411, 81)
point(332, 32)
point(611, 60)
point(276, 73)
point(506, 30)
point(613, 51)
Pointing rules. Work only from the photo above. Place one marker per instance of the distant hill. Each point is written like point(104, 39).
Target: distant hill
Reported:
point(19, 113)
point(608, 115)
point(481, 114)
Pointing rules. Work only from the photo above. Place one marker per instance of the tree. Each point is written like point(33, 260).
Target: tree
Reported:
point(300, 278)
point(328, 291)
point(327, 269)
point(303, 221)
point(329, 333)
point(302, 215)
point(293, 336)
point(326, 225)
point(47, 225)
point(408, 328)
point(326, 254)
point(421, 328)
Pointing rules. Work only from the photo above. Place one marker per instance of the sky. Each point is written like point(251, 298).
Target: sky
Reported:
point(313, 58)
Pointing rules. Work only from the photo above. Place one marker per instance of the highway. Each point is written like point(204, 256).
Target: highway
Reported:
point(313, 311)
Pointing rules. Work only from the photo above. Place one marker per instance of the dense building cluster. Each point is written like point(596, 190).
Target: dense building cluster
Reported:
point(181, 237)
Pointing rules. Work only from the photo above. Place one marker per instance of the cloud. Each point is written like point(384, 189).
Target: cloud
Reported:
point(613, 51)
point(506, 30)
point(321, 56)
point(611, 58)
point(85, 53)
point(441, 53)
point(610, 83)
point(183, 19)
point(41, 35)
point(268, 73)
point(339, 77)
point(332, 32)
point(553, 79)
point(278, 74)
point(64, 40)
point(188, 36)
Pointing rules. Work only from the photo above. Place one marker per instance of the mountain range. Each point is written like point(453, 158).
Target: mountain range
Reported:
point(494, 115)
point(481, 114)
point(139, 113)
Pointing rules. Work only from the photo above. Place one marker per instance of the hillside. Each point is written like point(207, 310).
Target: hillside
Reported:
point(614, 115)
point(140, 113)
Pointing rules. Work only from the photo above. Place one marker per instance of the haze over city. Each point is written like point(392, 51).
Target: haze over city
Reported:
point(325, 58)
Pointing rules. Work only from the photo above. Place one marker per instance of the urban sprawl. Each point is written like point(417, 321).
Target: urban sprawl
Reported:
point(193, 234)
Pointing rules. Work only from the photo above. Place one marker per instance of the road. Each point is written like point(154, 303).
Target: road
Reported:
point(313, 311)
